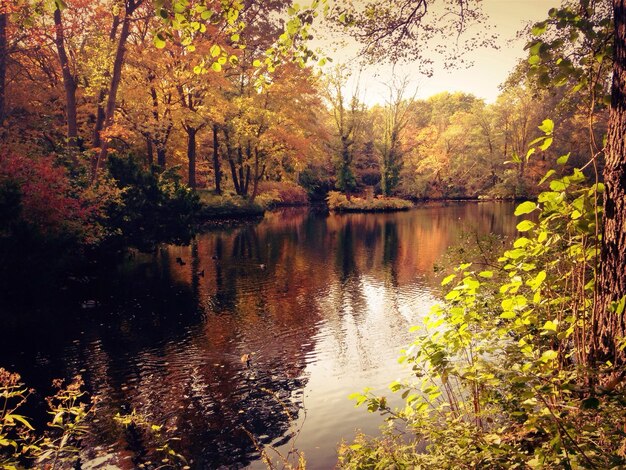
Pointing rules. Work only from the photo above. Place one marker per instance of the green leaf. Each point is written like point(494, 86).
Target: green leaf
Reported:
point(486, 274)
point(550, 326)
point(525, 208)
point(546, 144)
point(546, 176)
point(562, 160)
point(158, 41)
point(547, 126)
point(216, 67)
point(256, 63)
point(448, 279)
point(21, 419)
point(534, 60)
point(525, 226)
point(549, 355)
point(539, 28)
point(215, 50)
point(558, 185)
point(452, 295)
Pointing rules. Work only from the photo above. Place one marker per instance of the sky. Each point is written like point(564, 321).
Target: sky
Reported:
point(491, 66)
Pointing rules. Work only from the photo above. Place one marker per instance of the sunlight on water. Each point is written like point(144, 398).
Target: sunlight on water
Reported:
point(246, 325)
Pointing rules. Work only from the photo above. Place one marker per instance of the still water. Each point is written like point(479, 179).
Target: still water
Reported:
point(321, 304)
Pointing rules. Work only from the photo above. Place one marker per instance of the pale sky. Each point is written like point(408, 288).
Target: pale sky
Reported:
point(491, 67)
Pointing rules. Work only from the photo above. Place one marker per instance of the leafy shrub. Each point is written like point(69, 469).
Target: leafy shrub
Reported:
point(277, 193)
point(38, 196)
point(153, 208)
point(503, 374)
point(224, 206)
point(58, 446)
point(339, 202)
point(317, 182)
point(22, 445)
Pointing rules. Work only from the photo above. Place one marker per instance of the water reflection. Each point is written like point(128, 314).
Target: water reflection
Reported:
point(321, 303)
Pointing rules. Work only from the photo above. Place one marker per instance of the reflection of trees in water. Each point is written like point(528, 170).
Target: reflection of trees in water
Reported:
point(168, 341)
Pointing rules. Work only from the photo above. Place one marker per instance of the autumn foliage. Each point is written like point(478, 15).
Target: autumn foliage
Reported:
point(38, 195)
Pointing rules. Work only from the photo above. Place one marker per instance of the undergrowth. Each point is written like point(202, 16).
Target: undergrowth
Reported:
point(501, 375)
point(340, 203)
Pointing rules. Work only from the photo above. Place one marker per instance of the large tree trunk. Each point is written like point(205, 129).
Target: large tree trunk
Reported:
point(216, 161)
point(191, 155)
point(610, 325)
point(3, 64)
point(68, 80)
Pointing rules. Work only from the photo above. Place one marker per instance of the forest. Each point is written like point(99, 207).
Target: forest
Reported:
point(131, 125)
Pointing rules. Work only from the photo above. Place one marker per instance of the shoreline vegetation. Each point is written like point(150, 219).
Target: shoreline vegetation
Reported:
point(338, 202)
point(104, 144)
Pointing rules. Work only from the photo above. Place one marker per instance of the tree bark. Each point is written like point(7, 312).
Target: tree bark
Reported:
point(69, 83)
point(3, 64)
point(161, 158)
point(610, 326)
point(231, 161)
point(191, 155)
point(256, 177)
point(149, 152)
point(100, 114)
point(116, 77)
point(216, 161)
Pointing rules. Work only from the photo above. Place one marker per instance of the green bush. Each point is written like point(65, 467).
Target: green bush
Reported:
point(338, 202)
point(154, 208)
point(225, 206)
point(503, 374)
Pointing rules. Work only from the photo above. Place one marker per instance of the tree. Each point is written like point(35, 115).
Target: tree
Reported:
point(348, 117)
point(69, 80)
point(611, 278)
point(3, 58)
point(395, 119)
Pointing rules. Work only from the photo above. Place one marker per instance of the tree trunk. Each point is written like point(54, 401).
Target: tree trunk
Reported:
point(231, 162)
point(191, 155)
point(116, 78)
point(609, 325)
point(216, 161)
point(3, 64)
point(242, 182)
point(161, 157)
point(256, 177)
point(68, 81)
point(149, 152)
point(100, 114)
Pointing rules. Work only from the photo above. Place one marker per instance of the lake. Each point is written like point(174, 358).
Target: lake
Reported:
point(320, 305)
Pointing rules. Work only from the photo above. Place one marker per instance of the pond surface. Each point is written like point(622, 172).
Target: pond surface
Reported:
point(322, 304)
